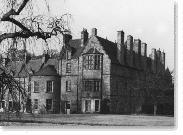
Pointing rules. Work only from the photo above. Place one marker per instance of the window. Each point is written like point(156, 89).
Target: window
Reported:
point(92, 85)
point(68, 85)
point(49, 86)
point(68, 68)
point(48, 104)
point(87, 105)
point(96, 85)
point(67, 105)
point(97, 105)
point(36, 86)
point(68, 55)
point(97, 62)
point(92, 62)
point(35, 103)
point(10, 105)
point(2, 104)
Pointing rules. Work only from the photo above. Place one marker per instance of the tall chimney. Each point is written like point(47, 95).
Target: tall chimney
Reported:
point(153, 58)
point(144, 49)
point(130, 43)
point(159, 65)
point(84, 37)
point(137, 46)
point(120, 47)
point(163, 59)
point(158, 52)
point(137, 50)
point(66, 39)
point(94, 32)
point(129, 50)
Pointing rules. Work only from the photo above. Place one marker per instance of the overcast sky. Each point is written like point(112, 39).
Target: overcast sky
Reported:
point(150, 20)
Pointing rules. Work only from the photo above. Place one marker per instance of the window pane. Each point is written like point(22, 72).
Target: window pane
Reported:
point(97, 62)
point(35, 103)
point(87, 105)
point(91, 85)
point(68, 55)
point(68, 68)
point(68, 105)
point(49, 87)
point(96, 105)
point(68, 85)
point(48, 104)
point(36, 86)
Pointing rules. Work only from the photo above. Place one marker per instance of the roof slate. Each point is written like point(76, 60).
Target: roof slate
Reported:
point(48, 70)
point(35, 67)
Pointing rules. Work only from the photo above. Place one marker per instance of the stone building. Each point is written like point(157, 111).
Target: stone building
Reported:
point(92, 75)
point(98, 75)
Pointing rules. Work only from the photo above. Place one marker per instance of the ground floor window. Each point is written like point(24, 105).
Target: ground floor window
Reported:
point(97, 104)
point(68, 104)
point(2, 104)
point(92, 85)
point(87, 105)
point(48, 104)
point(10, 105)
point(91, 105)
point(35, 103)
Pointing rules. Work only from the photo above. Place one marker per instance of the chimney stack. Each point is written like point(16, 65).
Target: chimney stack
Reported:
point(137, 46)
point(84, 37)
point(130, 43)
point(153, 58)
point(120, 47)
point(163, 59)
point(144, 49)
point(66, 39)
point(94, 32)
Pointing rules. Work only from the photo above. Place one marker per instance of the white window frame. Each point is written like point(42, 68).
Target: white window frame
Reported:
point(52, 82)
point(68, 55)
point(68, 82)
point(87, 107)
point(34, 86)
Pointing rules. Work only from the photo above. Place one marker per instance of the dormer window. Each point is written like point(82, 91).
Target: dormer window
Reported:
point(68, 55)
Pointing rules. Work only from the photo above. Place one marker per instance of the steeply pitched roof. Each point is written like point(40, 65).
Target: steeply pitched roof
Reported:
point(20, 69)
point(110, 48)
point(76, 48)
point(49, 70)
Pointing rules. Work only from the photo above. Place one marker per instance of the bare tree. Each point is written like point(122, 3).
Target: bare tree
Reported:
point(19, 15)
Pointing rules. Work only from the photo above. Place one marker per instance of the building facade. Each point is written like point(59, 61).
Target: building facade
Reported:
point(94, 75)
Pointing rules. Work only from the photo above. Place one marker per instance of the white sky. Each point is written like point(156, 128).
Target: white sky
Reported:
point(150, 20)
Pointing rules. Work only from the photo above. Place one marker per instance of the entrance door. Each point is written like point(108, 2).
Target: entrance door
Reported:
point(87, 105)
point(67, 107)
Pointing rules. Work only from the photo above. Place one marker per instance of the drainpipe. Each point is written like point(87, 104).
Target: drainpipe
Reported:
point(101, 80)
point(77, 88)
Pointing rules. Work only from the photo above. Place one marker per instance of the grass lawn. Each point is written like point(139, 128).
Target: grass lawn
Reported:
point(87, 120)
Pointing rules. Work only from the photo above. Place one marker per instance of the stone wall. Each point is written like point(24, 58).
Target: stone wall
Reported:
point(42, 95)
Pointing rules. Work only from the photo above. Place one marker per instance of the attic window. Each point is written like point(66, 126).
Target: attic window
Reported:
point(68, 55)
